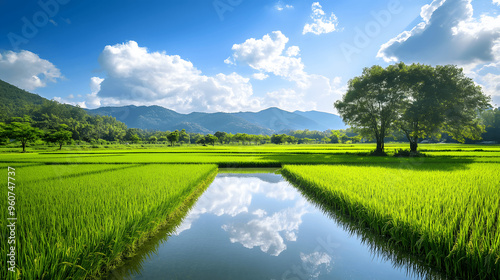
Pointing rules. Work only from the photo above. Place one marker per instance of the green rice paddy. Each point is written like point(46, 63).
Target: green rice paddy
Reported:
point(448, 215)
point(73, 221)
point(81, 210)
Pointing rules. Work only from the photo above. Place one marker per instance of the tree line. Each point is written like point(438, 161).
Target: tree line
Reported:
point(57, 123)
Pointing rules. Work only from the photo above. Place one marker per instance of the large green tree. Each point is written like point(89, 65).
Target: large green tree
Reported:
point(173, 137)
point(184, 137)
point(23, 132)
point(61, 137)
point(153, 139)
point(440, 99)
point(210, 139)
point(221, 136)
point(373, 102)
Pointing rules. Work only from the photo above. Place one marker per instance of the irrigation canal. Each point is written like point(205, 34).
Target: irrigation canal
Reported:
point(258, 226)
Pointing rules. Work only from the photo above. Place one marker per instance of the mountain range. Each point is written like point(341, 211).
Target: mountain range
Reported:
point(16, 102)
point(268, 121)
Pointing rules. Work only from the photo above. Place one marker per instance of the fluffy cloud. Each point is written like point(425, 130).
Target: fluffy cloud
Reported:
point(496, 2)
point(427, 10)
point(280, 6)
point(266, 55)
point(270, 55)
point(134, 75)
point(95, 86)
point(293, 51)
point(491, 86)
point(321, 22)
point(448, 34)
point(27, 70)
point(260, 76)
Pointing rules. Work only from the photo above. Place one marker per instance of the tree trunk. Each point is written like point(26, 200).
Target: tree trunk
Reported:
point(60, 146)
point(24, 146)
point(413, 144)
point(380, 145)
point(413, 147)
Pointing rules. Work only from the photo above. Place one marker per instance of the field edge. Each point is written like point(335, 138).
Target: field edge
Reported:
point(170, 221)
point(337, 205)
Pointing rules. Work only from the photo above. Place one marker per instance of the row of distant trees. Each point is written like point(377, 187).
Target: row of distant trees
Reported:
point(22, 130)
point(417, 100)
point(222, 138)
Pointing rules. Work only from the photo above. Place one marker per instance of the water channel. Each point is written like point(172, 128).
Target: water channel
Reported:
point(258, 226)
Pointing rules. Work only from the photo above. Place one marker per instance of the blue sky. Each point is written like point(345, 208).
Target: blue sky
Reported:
point(235, 55)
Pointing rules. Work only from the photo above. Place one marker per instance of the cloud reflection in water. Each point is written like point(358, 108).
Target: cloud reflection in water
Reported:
point(267, 229)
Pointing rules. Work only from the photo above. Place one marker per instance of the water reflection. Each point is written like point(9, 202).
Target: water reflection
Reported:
point(257, 226)
point(268, 232)
point(231, 194)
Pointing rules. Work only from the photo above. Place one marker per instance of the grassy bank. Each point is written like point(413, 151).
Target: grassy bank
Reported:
point(447, 214)
point(75, 220)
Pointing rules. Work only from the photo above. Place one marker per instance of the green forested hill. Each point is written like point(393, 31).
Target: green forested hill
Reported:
point(15, 101)
point(51, 116)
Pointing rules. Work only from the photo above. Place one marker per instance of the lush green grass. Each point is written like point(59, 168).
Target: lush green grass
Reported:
point(427, 205)
point(74, 220)
point(448, 214)
point(261, 156)
point(267, 148)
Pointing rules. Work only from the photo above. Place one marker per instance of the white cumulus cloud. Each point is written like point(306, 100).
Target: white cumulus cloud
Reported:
point(428, 9)
point(293, 51)
point(260, 76)
point(448, 33)
point(267, 55)
point(491, 86)
point(135, 75)
point(322, 23)
point(270, 55)
point(27, 70)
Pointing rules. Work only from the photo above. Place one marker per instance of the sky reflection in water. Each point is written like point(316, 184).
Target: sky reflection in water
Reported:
point(257, 226)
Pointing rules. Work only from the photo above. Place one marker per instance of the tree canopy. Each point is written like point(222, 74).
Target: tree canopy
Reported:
point(419, 100)
point(23, 132)
point(373, 102)
point(173, 137)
